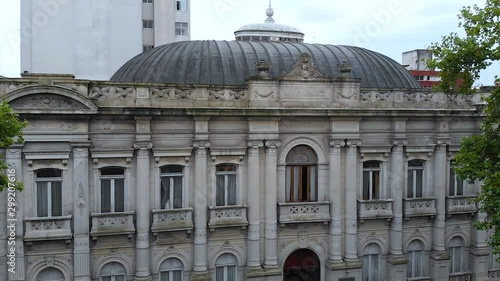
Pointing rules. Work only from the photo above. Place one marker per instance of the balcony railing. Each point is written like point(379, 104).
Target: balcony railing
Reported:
point(462, 276)
point(172, 220)
point(460, 204)
point(419, 279)
point(494, 274)
point(419, 207)
point(112, 224)
point(304, 212)
point(50, 228)
point(228, 216)
point(375, 209)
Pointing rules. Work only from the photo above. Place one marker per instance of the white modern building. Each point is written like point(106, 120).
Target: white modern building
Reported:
point(92, 39)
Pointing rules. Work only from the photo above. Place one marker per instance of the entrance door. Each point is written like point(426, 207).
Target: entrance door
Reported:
point(302, 265)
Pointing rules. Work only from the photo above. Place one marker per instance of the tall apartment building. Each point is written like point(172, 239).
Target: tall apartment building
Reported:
point(92, 39)
point(415, 62)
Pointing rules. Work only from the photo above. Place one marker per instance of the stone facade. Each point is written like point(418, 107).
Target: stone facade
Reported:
point(81, 127)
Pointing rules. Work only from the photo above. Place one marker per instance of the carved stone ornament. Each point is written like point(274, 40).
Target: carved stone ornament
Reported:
point(262, 67)
point(182, 94)
point(304, 69)
point(237, 95)
point(161, 93)
point(99, 92)
point(217, 95)
point(46, 101)
point(143, 146)
point(124, 92)
point(80, 201)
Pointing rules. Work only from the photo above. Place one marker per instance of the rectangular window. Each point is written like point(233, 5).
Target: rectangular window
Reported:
point(456, 259)
point(171, 179)
point(415, 179)
point(370, 267)
point(226, 185)
point(371, 180)
point(147, 1)
point(456, 184)
point(49, 193)
point(181, 5)
point(181, 28)
point(147, 24)
point(112, 190)
point(225, 273)
point(414, 265)
point(173, 275)
point(301, 184)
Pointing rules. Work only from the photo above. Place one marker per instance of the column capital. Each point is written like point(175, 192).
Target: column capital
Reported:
point(201, 144)
point(255, 144)
point(273, 144)
point(399, 144)
point(337, 143)
point(442, 142)
point(353, 144)
point(143, 146)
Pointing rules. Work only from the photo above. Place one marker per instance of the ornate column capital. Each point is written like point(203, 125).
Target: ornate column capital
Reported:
point(143, 148)
point(442, 143)
point(255, 144)
point(272, 144)
point(399, 144)
point(201, 144)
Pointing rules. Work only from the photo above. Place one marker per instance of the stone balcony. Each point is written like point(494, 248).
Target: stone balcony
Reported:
point(172, 220)
point(228, 216)
point(375, 209)
point(419, 279)
point(460, 205)
point(462, 276)
point(50, 228)
point(494, 274)
point(419, 207)
point(112, 224)
point(298, 212)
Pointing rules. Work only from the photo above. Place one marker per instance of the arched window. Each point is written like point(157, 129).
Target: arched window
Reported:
point(371, 180)
point(49, 193)
point(226, 267)
point(301, 175)
point(171, 178)
point(456, 247)
point(113, 271)
point(371, 262)
point(226, 185)
point(456, 184)
point(50, 274)
point(415, 254)
point(415, 179)
point(112, 190)
point(171, 270)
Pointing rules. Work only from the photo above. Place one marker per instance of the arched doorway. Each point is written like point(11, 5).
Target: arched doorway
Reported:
point(302, 265)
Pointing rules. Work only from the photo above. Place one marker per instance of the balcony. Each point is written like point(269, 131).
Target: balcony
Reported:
point(50, 228)
point(419, 207)
point(460, 205)
point(172, 220)
point(375, 209)
point(494, 274)
point(462, 276)
point(227, 216)
point(112, 224)
point(419, 279)
point(304, 212)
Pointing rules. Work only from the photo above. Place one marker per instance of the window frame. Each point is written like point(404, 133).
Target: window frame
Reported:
point(226, 175)
point(49, 181)
point(370, 251)
point(183, 7)
point(182, 27)
point(414, 247)
point(112, 179)
point(309, 167)
point(148, 24)
point(220, 263)
point(170, 271)
point(147, 1)
point(370, 171)
point(454, 181)
point(457, 250)
point(113, 277)
point(413, 169)
point(172, 190)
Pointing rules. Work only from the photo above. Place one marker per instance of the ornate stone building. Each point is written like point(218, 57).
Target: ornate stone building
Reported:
point(215, 160)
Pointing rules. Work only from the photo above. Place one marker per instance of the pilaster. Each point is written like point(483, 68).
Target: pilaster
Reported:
point(81, 253)
point(335, 198)
point(13, 160)
point(253, 186)
point(271, 231)
point(142, 271)
point(351, 182)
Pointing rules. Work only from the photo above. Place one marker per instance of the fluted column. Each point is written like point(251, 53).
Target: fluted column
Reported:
point(200, 206)
point(271, 233)
point(335, 233)
point(142, 270)
point(81, 252)
point(253, 186)
point(351, 224)
point(14, 163)
point(440, 172)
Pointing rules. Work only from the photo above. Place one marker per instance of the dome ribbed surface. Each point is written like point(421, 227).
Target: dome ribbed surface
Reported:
point(232, 63)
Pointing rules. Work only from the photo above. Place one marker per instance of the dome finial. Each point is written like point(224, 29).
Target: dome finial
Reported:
point(270, 13)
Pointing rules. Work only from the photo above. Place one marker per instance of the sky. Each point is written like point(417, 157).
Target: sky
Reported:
point(390, 27)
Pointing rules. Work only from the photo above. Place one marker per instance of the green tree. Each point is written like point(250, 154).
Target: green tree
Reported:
point(463, 58)
point(10, 132)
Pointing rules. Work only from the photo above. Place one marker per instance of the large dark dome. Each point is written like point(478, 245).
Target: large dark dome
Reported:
point(232, 63)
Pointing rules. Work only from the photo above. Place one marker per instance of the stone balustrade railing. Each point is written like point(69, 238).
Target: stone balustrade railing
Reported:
point(463, 276)
point(461, 204)
point(375, 209)
point(228, 216)
point(298, 212)
point(172, 220)
point(494, 274)
point(112, 224)
point(419, 207)
point(49, 228)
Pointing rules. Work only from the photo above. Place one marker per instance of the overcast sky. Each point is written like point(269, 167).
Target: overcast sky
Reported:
point(386, 26)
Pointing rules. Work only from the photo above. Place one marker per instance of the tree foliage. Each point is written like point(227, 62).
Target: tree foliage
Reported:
point(10, 132)
point(461, 58)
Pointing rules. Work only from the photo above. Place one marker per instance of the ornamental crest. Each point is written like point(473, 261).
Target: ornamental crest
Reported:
point(305, 69)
